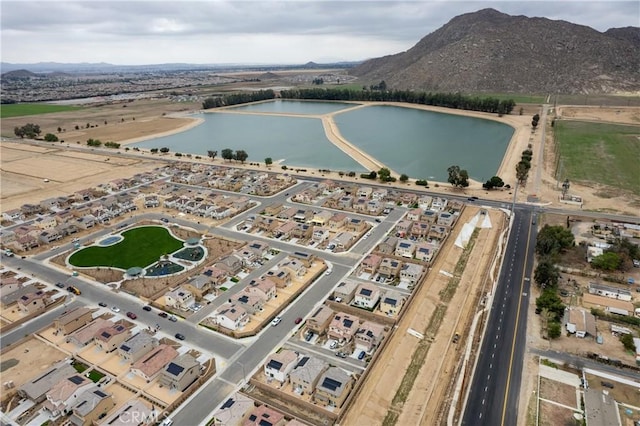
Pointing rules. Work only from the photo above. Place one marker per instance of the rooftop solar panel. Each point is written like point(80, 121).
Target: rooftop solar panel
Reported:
point(76, 379)
point(228, 403)
point(175, 369)
point(331, 384)
point(276, 365)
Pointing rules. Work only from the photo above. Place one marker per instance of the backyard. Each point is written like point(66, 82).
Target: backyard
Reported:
point(599, 153)
point(140, 247)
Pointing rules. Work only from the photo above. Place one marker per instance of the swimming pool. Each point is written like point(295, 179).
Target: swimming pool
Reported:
point(110, 240)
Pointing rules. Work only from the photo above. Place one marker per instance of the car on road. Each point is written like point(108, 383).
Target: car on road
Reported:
point(361, 355)
point(276, 321)
point(60, 285)
point(378, 220)
point(132, 315)
point(328, 272)
point(173, 319)
point(165, 220)
point(180, 336)
point(474, 198)
point(115, 309)
point(456, 338)
point(298, 320)
point(163, 314)
point(104, 305)
point(341, 354)
point(146, 308)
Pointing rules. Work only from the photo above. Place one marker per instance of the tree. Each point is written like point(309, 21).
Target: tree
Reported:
point(554, 330)
point(534, 124)
point(608, 261)
point(19, 132)
point(240, 156)
point(522, 171)
point(384, 174)
point(546, 274)
point(227, 154)
point(29, 130)
point(627, 342)
point(212, 154)
point(404, 178)
point(268, 161)
point(50, 137)
point(164, 150)
point(494, 182)
point(458, 177)
point(550, 301)
point(552, 240)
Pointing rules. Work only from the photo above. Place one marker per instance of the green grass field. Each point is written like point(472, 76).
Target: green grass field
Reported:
point(19, 110)
point(600, 153)
point(140, 247)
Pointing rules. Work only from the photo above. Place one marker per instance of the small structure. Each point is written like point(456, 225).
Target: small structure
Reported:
point(279, 365)
point(234, 410)
point(91, 405)
point(580, 322)
point(72, 320)
point(180, 373)
point(306, 373)
point(132, 409)
point(333, 387)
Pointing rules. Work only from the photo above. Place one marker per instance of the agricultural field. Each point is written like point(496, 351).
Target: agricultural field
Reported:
point(599, 153)
point(140, 247)
point(20, 110)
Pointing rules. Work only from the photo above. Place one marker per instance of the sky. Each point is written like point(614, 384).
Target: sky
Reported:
point(253, 32)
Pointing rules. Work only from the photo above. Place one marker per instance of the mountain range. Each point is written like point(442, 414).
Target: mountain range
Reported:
point(489, 51)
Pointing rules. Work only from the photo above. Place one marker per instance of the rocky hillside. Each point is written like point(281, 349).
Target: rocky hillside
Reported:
point(489, 51)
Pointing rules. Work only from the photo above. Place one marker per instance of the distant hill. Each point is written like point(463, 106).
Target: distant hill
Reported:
point(489, 51)
point(18, 74)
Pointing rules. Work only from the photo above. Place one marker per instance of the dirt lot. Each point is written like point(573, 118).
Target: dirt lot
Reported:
point(32, 356)
point(555, 415)
point(559, 392)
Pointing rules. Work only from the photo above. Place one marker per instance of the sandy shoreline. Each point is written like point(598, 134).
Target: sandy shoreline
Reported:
point(194, 121)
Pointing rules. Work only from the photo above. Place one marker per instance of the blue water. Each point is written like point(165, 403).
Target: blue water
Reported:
point(294, 107)
point(110, 240)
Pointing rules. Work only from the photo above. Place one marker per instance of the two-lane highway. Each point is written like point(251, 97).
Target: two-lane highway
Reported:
point(493, 396)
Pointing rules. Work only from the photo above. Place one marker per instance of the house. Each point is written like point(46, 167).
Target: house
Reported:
point(343, 327)
point(610, 291)
point(388, 245)
point(320, 234)
point(302, 231)
point(72, 320)
point(446, 219)
point(389, 267)
point(367, 296)
point(295, 268)
point(200, 285)
point(45, 222)
point(132, 409)
point(259, 248)
point(594, 252)
point(263, 287)
point(231, 264)
point(580, 322)
point(281, 277)
point(420, 230)
point(425, 251)
point(273, 209)
point(63, 395)
point(345, 291)
point(231, 316)
point(179, 298)
point(302, 216)
point(391, 303)
point(33, 302)
point(333, 387)
point(306, 373)
point(280, 364)
point(285, 231)
point(137, 346)
point(234, 410)
point(91, 405)
point(368, 335)
point(337, 221)
point(322, 218)
point(411, 273)
point(614, 306)
point(264, 416)
point(180, 373)
point(356, 225)
point(370, 264)
point(110, 338)
point(251, 303)
point(85, 335)
point(405, 248)
point(36, 389)
point(152, 363)
point(9, 285)
point(15, 296)
point(304, 257)
point(320, 320)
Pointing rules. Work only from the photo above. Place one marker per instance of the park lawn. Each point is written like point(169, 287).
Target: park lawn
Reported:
point(141, 247)
point(19, 110)
point(600, 153)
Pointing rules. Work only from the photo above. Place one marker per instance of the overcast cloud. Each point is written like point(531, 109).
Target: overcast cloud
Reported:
point(250, 32)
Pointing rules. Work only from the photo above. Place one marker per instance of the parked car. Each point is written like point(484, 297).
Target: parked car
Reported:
point(341, 354)
point(308, 336)
point(104, 305)
point(276, 321)
point(172, 318)
point(132, 315)
point(361, 355)
point(456, 337)
point(333, 345)
point(147, 308)
point(60, 285)
point(298, 320)
point(607, 384)
point(180, 336)
point(115, 309)
point(163, 314)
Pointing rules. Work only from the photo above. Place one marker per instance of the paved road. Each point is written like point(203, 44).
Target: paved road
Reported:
point(493, 395)
point(582, 362)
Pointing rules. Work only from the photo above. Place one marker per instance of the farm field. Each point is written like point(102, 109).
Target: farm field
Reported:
point(20, 110)
point(140, 247)
point(599, 153)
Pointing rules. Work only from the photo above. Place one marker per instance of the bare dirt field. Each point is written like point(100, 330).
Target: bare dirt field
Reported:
point(556, 391)
point(32, 356)
point(555, 415)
